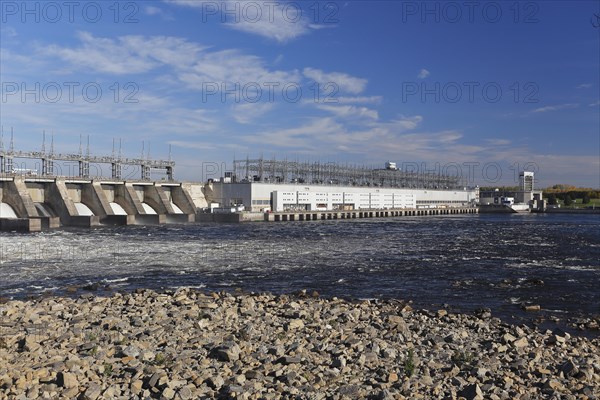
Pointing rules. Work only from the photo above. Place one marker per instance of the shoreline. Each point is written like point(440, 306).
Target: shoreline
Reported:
point(187, 343)
point(524, 313)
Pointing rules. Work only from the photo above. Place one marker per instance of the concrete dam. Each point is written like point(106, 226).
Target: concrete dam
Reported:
point(30, 202)
point(33, 204)
point(259, 190)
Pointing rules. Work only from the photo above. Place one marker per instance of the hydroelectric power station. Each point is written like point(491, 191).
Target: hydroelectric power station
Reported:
point(255, 190)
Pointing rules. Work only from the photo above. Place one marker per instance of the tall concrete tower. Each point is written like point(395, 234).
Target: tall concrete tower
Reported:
point(526, 181)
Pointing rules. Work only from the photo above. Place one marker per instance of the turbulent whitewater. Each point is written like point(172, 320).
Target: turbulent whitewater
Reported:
point(470, 261)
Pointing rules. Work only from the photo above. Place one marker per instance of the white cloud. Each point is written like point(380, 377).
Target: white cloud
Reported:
point(8, 32)
point(305, 138)
point(345, 82)
point(401, 124)
point(234, 67)
point(323, 135)
point(156, 11)
point(186, 144)
point(423, 74)
point(555, 108)
point(562, 168)
point(193, 64)
point(126, 54)
point(360, 100)
point(595, 104)
point(279, 29)
point(350, 112)
point(279, 21)
point(584, 86)
point(246, 113)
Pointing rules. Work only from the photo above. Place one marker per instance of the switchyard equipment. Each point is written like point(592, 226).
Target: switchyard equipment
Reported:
point(276, 171)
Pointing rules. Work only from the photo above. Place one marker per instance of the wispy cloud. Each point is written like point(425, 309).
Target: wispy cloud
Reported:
point(350, 112)
point(279, 21)
point(345, 82)
point(233, 66)
point(423, 74)
point(360, 100)
point(555, 108)
point(157, 11)
point(125, 55)
point(8, 32)
point(597, 103)
point(584, 86)
point(191, 63)
point(246, 113)
point(348, 128)
point(187, 144)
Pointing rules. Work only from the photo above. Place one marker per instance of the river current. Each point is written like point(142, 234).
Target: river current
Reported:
point(464, 261)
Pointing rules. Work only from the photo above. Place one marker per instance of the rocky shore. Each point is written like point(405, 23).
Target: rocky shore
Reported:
point(188, 345)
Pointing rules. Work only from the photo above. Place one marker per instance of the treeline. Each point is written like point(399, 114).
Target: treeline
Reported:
point(565, 193)
point(562, 191)
point(569, 197)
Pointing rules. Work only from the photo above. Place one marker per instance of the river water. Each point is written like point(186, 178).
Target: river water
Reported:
point(464, 261)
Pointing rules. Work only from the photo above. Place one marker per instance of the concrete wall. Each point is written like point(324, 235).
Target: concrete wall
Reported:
point(196, 192)
point(21, 224)
point(127, 198)
point(109, 193)
point(57, 195)
point(16, 195)
point(183, 199)
point(155, 197)
point(36, 191)
point(92, 195)
point(74, 191)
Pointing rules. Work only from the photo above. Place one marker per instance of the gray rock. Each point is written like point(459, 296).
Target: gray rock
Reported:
point(234, 389)
point(131, 351)
point(286, 360)
point(471, 392)
point(153, 381)
point(92, 392)
point(216, 382)
point(338, 362)
point(351, 391)
point(569, 368)
point(228, 351)
point(520, 343)
point(66, 380)
point(184, 393)
point(168, 393)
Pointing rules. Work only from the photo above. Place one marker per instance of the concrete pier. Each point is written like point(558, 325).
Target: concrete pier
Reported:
point(359, 214)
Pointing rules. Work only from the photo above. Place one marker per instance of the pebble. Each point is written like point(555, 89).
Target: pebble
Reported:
point(187, 344)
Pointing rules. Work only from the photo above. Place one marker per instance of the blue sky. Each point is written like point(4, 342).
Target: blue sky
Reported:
point(489, 86)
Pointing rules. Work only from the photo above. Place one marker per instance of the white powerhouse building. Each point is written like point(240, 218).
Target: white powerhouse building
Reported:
point(271, 185)
point(259, 196)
